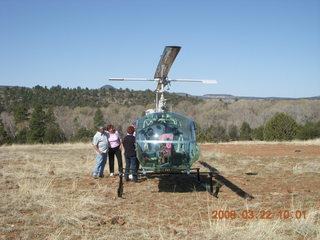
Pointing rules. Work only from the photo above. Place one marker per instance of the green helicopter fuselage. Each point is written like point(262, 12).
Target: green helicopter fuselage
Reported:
point(166, 141)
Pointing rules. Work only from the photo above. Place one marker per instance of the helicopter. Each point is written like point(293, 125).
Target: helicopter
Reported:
point(165, 141)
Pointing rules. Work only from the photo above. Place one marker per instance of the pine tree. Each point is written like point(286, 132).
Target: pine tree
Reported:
point(4, 136)
point(233, 132)
point(54, 134)
point(20, 114)
point(258, 133)
point(37, 126)
point(98, 119)
point(245, 131)
point(83, 135)
point(50, 118)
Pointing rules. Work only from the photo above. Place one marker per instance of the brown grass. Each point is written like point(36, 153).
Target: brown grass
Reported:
point(47, 192)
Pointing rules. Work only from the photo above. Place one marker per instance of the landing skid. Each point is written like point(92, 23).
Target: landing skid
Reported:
point(211, 181)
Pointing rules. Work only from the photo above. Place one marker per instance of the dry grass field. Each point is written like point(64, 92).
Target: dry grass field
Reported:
point(47, 192)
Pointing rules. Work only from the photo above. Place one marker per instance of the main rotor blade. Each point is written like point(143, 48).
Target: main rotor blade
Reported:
point(194, 80)
point(167, 58)
point(131, 79)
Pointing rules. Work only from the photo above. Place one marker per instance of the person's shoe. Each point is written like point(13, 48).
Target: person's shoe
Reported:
point(112, 174)
point(130, 177)
point(95, 176)
point(101, 176)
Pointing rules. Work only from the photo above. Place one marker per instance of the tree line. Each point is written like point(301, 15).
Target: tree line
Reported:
point(281, 127)
point(40, 127)
point(11, 97)
point(56, 114)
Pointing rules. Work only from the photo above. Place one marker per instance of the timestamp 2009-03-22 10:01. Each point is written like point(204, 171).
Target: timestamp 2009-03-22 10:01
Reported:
point(262, 214)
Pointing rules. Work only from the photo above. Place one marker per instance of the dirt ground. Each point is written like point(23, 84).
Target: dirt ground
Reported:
point(48, 193)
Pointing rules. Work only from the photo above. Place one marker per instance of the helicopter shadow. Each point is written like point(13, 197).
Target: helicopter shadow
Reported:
point(180, 183)
point(183, 183)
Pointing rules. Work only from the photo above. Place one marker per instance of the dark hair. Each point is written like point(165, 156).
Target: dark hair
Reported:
point(110, 126)
point(130, 130)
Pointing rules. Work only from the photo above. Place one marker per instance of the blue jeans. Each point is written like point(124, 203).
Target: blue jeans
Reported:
point(101, 162)
point(131, 167)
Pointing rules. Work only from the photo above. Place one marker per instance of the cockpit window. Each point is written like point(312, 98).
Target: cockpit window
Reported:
point(154, 125)
point(166, 140)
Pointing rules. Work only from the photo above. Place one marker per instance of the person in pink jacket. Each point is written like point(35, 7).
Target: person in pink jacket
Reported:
point(115, 142)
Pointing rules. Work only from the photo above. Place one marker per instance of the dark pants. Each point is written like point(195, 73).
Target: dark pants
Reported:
point(131, 167)
point(115, 151)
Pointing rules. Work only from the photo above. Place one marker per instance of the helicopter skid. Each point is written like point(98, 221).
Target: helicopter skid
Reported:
point(205, 179)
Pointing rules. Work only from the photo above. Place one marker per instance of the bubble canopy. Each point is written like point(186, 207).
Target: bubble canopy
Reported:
point(166, 140)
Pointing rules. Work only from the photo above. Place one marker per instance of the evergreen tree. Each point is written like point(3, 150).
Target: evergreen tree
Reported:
point(98, 119)
point(309, 131)
point(218, 134)
point(50, 118)
point(20, 114)
point(22, 135)
point(37, 126)
point(54, 134)
point(4, 136)
point(83, 135)
point(280, 127)
point(258, 133)
point(233, 133)
point(245, 131)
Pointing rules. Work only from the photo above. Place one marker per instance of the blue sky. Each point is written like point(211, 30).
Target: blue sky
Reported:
point(252, 47)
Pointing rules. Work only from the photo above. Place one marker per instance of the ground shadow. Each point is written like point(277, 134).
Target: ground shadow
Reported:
point(179, 183)
point(225, 182)
point(189, 182)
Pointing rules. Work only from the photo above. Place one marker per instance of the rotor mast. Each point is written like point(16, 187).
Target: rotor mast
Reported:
point(161, 75)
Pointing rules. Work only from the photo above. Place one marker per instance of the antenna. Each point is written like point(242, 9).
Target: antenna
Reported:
point(161, 76)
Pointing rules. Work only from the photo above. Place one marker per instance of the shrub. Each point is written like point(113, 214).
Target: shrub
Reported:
point(83, 135)
point(280, 127)
point(309, 131)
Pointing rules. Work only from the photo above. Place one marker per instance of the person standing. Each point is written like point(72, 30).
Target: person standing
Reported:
point(115, 142)
point(130, 155)
point(100, 145)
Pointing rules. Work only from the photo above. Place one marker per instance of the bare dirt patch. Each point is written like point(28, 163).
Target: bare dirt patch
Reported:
point(48, 193)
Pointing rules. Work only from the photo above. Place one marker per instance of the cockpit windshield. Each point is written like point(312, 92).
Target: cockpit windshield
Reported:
point(166, 140)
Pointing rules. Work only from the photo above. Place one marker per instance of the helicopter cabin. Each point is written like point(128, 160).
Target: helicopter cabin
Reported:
point(166, 141)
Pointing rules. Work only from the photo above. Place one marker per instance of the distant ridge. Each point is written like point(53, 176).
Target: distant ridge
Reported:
point(225, 97)
point(6, 86)
point(232, 97)
point(107, 87)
